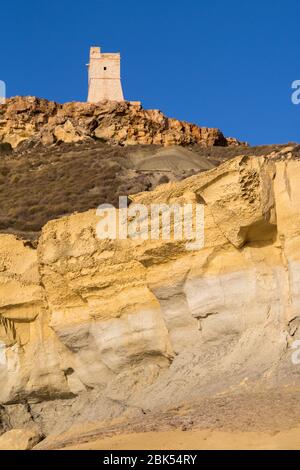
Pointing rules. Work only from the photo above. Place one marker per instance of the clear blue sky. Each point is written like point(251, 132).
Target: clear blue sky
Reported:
point(226, 64)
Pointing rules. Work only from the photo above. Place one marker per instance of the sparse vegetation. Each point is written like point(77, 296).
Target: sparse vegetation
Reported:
point(40, 184)
point(43, 184)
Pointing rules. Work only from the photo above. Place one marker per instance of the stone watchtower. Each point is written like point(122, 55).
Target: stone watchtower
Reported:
point(104, 76)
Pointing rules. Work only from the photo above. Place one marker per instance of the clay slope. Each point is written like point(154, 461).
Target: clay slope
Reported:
point(46, 182)
point(108, 329)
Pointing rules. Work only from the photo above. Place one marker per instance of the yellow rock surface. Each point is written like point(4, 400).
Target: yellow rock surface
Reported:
point(19, 439)
point(139, 315)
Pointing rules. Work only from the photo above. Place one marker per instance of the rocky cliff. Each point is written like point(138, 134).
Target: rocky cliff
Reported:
point(34, 121)
point(98, 329)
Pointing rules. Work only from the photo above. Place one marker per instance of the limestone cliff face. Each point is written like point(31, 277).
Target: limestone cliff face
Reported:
point(148, 321)
point(29, 119)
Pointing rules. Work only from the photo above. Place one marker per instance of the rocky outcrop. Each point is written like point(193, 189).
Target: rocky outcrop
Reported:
point(19, 439)
point(35, 121)
point(146, 323)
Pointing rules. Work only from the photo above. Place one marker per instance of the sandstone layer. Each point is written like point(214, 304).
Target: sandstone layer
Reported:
point(99, 329)
point(19, 439)
point(33, 120)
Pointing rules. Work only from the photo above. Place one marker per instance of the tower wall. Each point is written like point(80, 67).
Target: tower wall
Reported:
point(104, 76)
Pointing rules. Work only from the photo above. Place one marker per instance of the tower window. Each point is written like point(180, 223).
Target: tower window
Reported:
point(105, 68)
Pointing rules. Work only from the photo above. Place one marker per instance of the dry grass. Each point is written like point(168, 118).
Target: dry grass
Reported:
point(42, 184)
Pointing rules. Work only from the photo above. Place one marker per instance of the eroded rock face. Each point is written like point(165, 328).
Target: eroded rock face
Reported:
point(33, 120)
point(147, 321)
point(19, 439)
